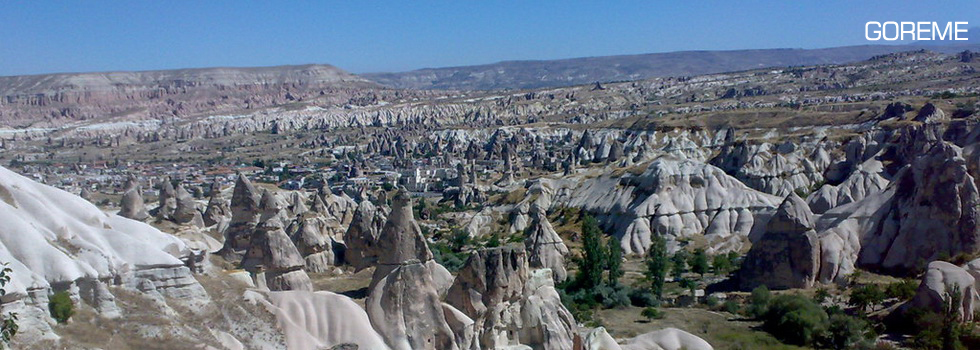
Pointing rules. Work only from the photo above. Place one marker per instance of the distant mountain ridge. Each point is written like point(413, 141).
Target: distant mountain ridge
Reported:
point(53, 99)
point(576, 71)
point(310, 74)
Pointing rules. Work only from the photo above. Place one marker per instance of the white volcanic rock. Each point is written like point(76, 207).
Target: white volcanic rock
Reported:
point(401, 238)
point(773, 169)
point(788, 254)
point(218, 209)
point(599, 339)
point(843, 230)
point(885, 232)
point(273, 256)
point(930, 114)
point(320, 320)
point(462, 327)
point(868, 178)
point(489, 289)
point(297, 204)
point(667, 339)
point(315, 239)
point(973, 268)
point(545, 248)
point(54, 239)
point(672, 197)
point(245, 216)
point(362, 235)
point(404, 308)
point(168, 200)
point(936, 194)
point(546, 323)
point(273, 209)
point(482, 223)
point(520, 216)
point(940, 279)
point(186, 211)
point(341, 207)
point(131, 204)
point(509, 305)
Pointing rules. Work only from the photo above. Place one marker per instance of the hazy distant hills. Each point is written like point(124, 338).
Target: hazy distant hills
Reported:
point(53, 99)
point(563, 72)
point(300, 75)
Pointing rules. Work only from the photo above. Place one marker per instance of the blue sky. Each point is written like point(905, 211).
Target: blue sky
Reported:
point(371, 36)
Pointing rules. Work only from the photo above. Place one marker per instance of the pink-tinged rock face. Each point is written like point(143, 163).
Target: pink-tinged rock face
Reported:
point(61, 98)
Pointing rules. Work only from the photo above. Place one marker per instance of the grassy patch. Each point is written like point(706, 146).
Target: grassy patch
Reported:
point(720, 329)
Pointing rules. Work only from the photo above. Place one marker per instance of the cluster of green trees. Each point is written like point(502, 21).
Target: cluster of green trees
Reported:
point(939, 330)
point(796, 319)
point(596, 283)
point(599, 269)
point(799, 320)
point(450, 251)
point(659, 263)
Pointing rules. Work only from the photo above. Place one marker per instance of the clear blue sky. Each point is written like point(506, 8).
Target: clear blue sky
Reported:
point(370, 36)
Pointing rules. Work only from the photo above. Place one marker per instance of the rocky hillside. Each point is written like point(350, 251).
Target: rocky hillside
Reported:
point(54, 99)
point(456, 220)
point(576, 71)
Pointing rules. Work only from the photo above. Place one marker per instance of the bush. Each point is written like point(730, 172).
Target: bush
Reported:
point(866, 296)
point(643, 297)
point(939, 330)
point(794, 319)
point(652, 313)
point(494, 241)
point(731, 307)
point(579, 305)
point(447, 257)
point(721, 264)
point(699, 262)
point(8, 322)
point(846, 332)
point(759, 301)
point(711, 301)
point(61, 306)
point(821, 295)
point(903, 290)
point(612, 295)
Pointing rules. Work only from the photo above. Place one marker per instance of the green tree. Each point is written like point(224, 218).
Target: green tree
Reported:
point(652, 313)
point(494, 240)
point(593, 257)
point(821, 295)
point(459, 239)
point(866, 296)
point(61, 306)
point(688, 284)
point(795, 319)
point(845, 332)
point(657, 266)
point(614, 260)
point(721, 264)
point(678, 264)
point(699, 262)
point(951, 330)
point(8, 322)
point(759, 301)
point(903, 290)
